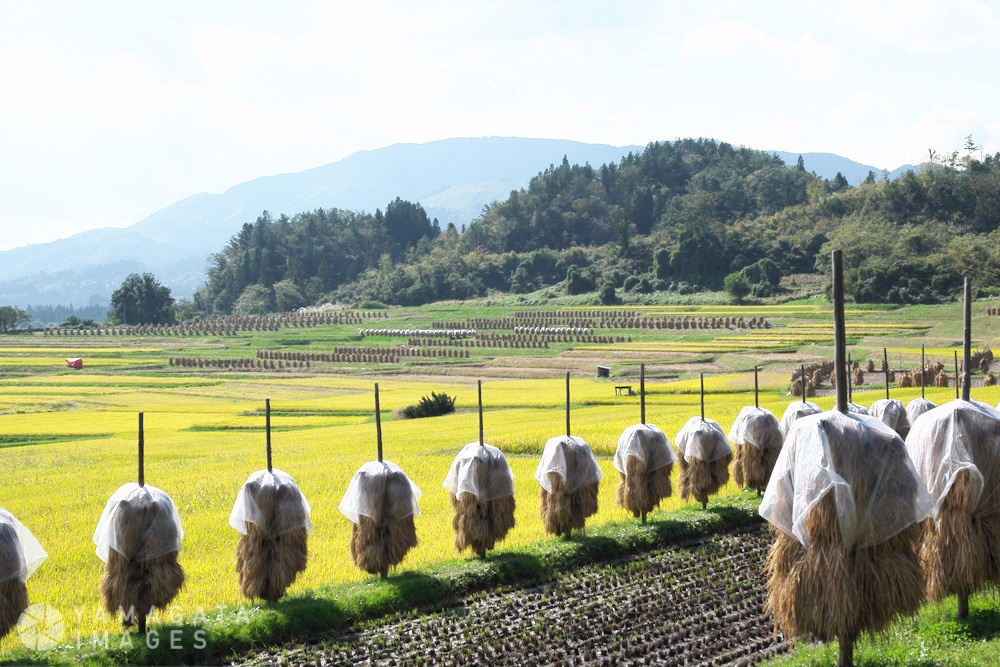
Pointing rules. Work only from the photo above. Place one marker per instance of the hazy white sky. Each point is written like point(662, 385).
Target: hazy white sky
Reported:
point(110, 111)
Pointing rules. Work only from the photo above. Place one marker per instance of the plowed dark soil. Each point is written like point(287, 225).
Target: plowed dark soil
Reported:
point(696, 604)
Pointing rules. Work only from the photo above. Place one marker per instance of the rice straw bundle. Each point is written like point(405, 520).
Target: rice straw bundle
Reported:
point(570, 478)
point(956, 450)
point(139, 536)
point(795, 411)
point(847, 504)
point(857, 409)
point(644, 460)
point(272, 515)
point(756, 436)
point(892, 412)
point(481, 490)
point(705, 456)
point(989, 380)
point(20, 556)
point(381, 502)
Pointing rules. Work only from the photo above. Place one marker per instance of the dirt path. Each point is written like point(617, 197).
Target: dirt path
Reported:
point(697, 604)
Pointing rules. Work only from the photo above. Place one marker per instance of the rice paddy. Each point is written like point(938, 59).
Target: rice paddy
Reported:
point(69, 437)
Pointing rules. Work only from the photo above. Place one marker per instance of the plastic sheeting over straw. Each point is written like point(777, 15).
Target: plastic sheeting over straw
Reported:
point(158, 531)
point(644, 460)
point(796, 410)
point(756, 436)
point(358, 501)
point(139, 536)
point(917, 407)
point(570, 477)
point(957, 436)
point(20, 556)
point(481, 490)
point(27, 554)
point(705, 455)
point(272, 515)
point(892, 412)
point(848, 504)
point(381, 501)
point(956, 449)
point(858, 459)
point(497, 483)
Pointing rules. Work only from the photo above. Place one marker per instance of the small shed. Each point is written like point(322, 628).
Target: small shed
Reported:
point(604, 371)
point(75, 362)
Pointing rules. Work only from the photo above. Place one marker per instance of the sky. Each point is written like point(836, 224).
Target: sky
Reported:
point(110, 111)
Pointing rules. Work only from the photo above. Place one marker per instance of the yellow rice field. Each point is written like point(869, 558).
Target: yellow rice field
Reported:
point(204, 436)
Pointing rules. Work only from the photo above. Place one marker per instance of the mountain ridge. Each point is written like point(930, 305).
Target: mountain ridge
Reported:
point(452, 178)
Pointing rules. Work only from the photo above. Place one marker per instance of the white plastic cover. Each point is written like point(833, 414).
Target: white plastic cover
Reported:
point(874, 467)
point(892, 412)
point(356, 503)
point(753, 426)
point(246, 510)
point(30, 553)
point(161, 534)
point(569, 457)
point(857, 409)
point(498, 481)
point(960, 435)
point(647, 443)
point(796, 410)
point(703, 439)
point(917, 407)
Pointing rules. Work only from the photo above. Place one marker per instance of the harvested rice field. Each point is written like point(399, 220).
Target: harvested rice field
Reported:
point(700, 603)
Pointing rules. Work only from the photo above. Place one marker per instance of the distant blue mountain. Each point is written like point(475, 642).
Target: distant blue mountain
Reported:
point(453, 179)
point(828, 165)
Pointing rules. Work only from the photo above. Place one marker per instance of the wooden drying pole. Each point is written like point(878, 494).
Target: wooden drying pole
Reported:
point(756, 388)
point(642, 404)
point(957, 377)
point(802, 381)
point(481, 442)
point(923, 366)
point(963, 600)
point(267, 427)
point(703, 396)
point(840, 352)
point(142, 483)
point(378, 425)
point(885, 368)
point(567, 405)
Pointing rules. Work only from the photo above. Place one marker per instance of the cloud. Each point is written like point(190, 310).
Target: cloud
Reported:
point(735, 41)
point(863, 106)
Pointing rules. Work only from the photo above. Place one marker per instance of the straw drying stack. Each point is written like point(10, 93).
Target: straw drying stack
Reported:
point(956, 450)
point(139, 536)
point(272, 516)
point(917, 407)
point(892, 412)
point(381, 502)
point(756, 436)
point(570, 477)
point(848, 504)
point(796, 410)
point(20, 556)
point(705, 456)
point(644, 460)
point(481, 487)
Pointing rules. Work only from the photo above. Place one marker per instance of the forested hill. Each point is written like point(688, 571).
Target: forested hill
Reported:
point(678, 216)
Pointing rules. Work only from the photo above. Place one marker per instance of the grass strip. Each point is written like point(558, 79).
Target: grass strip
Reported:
point(220, 635)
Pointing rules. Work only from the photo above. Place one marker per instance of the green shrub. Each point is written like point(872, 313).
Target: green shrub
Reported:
point(430, 406)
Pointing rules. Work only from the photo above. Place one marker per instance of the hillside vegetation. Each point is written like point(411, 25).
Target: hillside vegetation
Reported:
point(680, 216)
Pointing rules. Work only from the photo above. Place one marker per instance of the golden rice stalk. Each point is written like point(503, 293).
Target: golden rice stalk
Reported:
point(378, 544)
point(563, 511)
point(905, 381)
point(639, 490)
point(13, 591)
point(701, 480)
point(136, 587)
point(953, 549)
point(269, 558)
point(989, 380)
point(480, 525)
point(941, 380)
